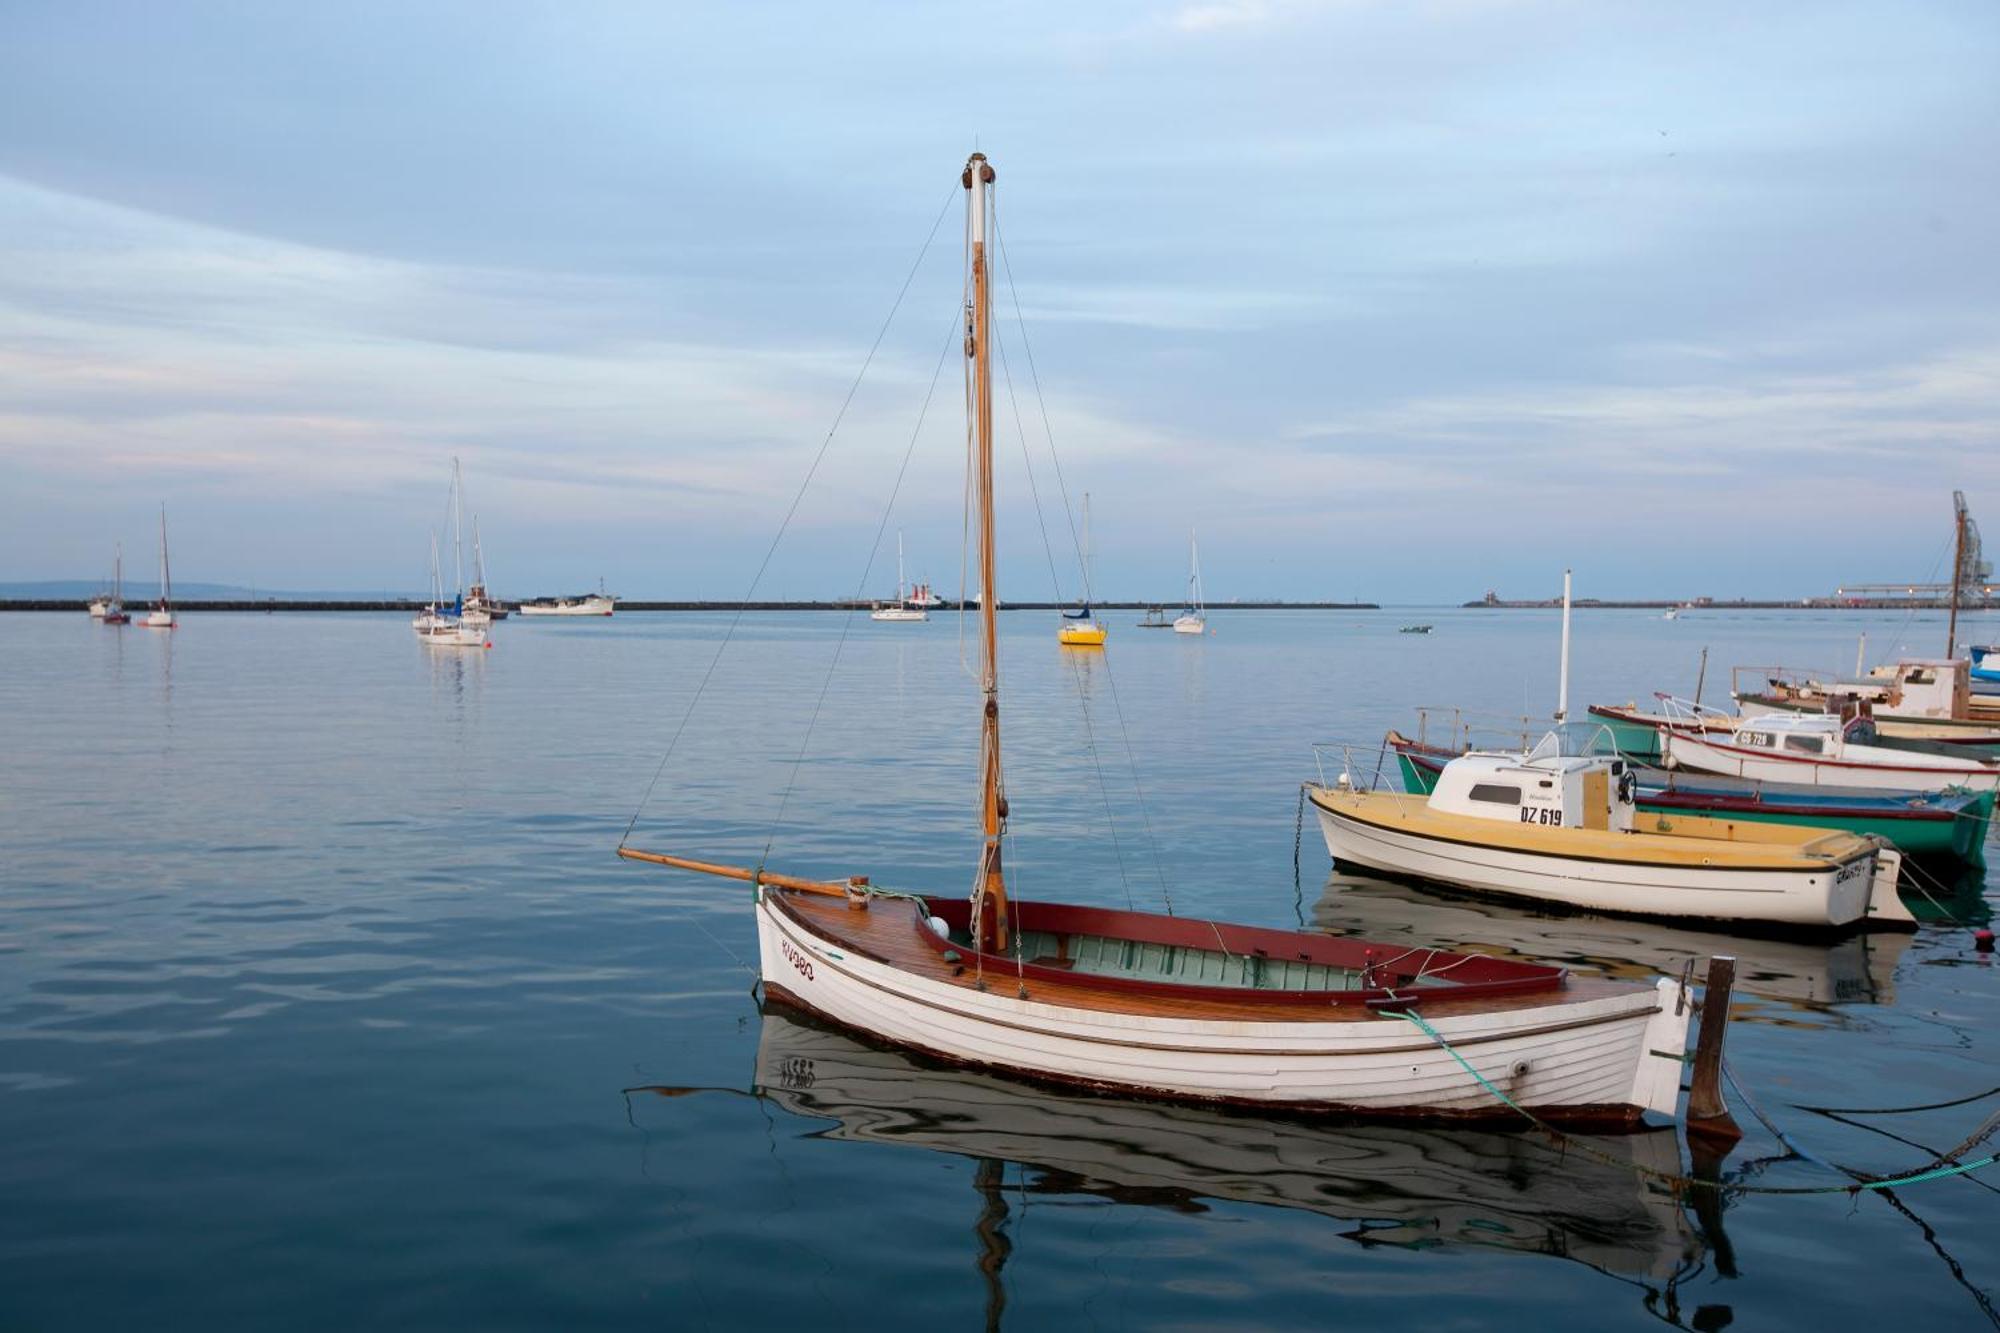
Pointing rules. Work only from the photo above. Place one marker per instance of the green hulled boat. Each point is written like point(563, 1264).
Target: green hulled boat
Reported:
point(1941, 823)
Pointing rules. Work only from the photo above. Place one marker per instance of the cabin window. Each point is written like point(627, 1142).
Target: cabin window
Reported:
point(1809, 744)
point(1497, 794)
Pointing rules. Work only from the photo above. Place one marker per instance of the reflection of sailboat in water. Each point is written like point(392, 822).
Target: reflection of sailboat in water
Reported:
point(1856, 969)
point(1398, 1185)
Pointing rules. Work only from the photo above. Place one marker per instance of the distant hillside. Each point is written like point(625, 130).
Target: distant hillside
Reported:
point(141, 590)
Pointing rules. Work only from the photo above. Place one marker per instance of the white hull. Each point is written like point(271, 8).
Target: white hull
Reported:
point(1838, 895)
point(1616, 1051)
point(589, 606)
point(100, 608)
point(1881, 768)
point(1190, 625)
point(445, 632)
point(898, 613)
point(159, 620)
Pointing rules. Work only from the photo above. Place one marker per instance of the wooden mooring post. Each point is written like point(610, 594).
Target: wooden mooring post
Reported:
point(1707, 1113)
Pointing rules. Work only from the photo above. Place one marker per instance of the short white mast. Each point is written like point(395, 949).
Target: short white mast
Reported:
point(166, 570)
point(1562, 681)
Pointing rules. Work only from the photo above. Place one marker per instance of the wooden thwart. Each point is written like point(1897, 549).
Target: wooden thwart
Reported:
point(831, 888)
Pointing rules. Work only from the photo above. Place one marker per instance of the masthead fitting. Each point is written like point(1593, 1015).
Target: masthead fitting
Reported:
point(978, 174)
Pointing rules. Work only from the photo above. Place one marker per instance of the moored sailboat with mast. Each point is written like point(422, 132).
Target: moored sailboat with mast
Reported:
point(906, 606)
point(1185, 1009)
point(111, 610)
point(1079, 628)
point(162, 614)
point(1193, 620)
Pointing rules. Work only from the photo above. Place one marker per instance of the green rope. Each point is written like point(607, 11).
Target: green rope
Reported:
point(1673, 1178)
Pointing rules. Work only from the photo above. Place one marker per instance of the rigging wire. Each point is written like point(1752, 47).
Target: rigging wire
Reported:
point(1075, 665)
point(1110, 678)
point(847, 622)
point(790, 513)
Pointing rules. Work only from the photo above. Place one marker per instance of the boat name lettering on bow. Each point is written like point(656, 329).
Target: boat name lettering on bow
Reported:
point(798, 960)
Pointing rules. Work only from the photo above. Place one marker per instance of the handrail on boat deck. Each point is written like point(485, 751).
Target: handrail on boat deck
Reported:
point(1349, 767)
point(1689, 712)
point(1462, 721)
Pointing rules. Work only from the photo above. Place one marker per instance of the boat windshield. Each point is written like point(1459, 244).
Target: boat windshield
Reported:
point(1575, 740)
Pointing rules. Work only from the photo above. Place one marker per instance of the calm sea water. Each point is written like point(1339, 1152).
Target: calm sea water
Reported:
point(325, 1003)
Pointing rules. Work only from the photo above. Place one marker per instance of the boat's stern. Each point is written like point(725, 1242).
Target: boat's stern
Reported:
point(1656, 1083)
point(1885, 903)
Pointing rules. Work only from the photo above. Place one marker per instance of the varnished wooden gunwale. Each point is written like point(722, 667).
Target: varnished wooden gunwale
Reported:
point(892, 932)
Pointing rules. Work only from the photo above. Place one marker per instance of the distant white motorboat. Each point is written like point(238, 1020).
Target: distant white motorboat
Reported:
point(599, 603)
point(162, 614)
point(1820, 750)
point(1194, 620)
point(907, 605)
point(1673, 613)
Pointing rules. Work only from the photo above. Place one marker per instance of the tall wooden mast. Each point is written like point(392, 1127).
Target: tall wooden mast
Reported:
point(989, 894)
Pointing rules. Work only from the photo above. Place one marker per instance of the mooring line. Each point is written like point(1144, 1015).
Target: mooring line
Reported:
point(1679, 1181)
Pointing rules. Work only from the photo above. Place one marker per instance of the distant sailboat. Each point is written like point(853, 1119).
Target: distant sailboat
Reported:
point(906, 606)
point(1080, 629)
point(478, 602)
point(1194, 620)
point(162, 614)
point(111, 610)
point(446, 628)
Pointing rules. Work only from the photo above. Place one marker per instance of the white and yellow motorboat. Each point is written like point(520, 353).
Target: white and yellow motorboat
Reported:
point(1560, 825)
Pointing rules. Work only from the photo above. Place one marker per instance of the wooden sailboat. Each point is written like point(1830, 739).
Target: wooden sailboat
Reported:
point(1193, 620)
point(162, 614)
point(1185, 1009)
point(1079, 628)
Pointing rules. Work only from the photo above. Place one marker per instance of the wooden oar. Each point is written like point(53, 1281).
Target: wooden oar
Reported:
point(831, 888)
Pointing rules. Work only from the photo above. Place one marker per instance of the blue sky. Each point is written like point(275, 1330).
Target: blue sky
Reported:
point(1402, 301)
